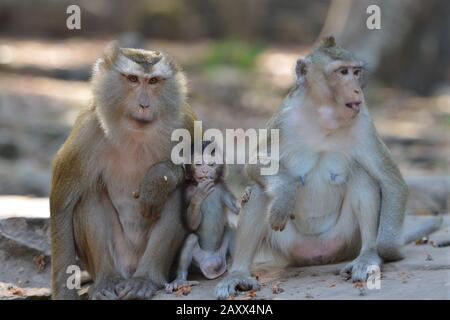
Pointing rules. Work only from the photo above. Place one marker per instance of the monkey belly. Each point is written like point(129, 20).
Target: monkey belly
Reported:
point(324, 230)
point(121, 244)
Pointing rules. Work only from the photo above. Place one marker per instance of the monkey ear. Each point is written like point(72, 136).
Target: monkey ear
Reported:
point(110, 55)
point(222, 172)
point(301, 69)
point(329, 42)
point(188, 171)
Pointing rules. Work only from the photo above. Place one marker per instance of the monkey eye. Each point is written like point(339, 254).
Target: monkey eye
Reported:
point(153, 80)
point(211, 164)
point(344, 71)
point(132, 78)
point(357, 72)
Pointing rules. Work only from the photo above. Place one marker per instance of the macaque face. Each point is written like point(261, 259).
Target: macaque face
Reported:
point(346, 97)
point(205, 169)
point(141, 86)
point(142, 101)
point(335, 88)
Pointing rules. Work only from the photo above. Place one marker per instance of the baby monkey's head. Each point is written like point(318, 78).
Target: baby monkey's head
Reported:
point(204, 166)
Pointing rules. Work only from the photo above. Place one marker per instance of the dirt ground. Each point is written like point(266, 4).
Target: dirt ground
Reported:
point(25, 266)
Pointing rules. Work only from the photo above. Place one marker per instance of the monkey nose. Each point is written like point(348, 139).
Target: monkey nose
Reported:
point(144, 106)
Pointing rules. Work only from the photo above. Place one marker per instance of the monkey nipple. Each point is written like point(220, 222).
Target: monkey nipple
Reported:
point(303, 179)
point(135, 194)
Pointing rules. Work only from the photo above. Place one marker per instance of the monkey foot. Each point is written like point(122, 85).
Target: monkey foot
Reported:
point(360, 268)
point(105, 290)
point(177, 283)
point(235, 281)
point(135, 289)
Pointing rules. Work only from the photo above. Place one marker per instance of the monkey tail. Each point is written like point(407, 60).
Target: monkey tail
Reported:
point(417, 227)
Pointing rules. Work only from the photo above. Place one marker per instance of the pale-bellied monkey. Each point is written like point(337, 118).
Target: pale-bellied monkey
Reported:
point(211, 241)
point(139, 97)
point(336, 178)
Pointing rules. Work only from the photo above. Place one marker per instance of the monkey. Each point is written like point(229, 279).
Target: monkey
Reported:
point(211, 240)
point(336, 177)
point(127, 241)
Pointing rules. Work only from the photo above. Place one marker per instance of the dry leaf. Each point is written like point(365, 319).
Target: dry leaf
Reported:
point(40, 262)
point(360, 286)
point(183, 290)
point(276, 288)
point(420, 241)
point(250, 295)
point(16, 291)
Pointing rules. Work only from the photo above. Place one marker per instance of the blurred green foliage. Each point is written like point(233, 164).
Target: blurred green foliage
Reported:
point(238, 54)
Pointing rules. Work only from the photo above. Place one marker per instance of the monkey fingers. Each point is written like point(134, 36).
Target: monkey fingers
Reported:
point(105, 290)
point(135, 289)
point(204, 189)
point(235, 281)
point(246, 195)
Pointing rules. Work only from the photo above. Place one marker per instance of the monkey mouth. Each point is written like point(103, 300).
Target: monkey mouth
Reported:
point(355, 105)
point(141, 121)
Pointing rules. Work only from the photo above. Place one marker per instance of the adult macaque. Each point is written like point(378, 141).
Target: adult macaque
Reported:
point(97, 211)
point(210, 243)
point(337, 178)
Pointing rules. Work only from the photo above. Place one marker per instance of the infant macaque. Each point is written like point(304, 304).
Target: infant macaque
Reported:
point(210, 243)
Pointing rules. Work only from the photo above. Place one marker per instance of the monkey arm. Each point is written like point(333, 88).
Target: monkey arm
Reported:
point(377, 161)
point(229, 200)
point(64, 196)
point(158, 183)
point(193, 214)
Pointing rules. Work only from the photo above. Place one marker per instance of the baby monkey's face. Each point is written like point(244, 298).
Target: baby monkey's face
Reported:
point(205, 168)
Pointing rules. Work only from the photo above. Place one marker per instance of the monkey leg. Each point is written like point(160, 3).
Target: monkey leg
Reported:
point(230, 233)
point(183, 265)
point(363, 199)
point(94, 242)
point(164, 240)
point(251, 230)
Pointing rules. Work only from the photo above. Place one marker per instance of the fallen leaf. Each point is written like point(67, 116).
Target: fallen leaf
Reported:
point(421, 241)
point(183, 290)
point(360, 286)
point(276, 288)
point(250, 295)
point(40, 262)
point(16, 291)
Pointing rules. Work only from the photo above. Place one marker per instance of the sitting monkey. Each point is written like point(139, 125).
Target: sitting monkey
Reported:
point(210, 242)
point(336, 177)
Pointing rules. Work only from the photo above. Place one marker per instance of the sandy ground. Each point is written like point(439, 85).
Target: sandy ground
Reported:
point(24, 267)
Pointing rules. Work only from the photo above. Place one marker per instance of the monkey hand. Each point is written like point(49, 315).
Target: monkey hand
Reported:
point(246, 195)
point(204, 189)
point(156, 187)
point(233, 282)
point(279, 213)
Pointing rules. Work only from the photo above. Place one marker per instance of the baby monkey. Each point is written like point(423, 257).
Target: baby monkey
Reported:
point(211, 241)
